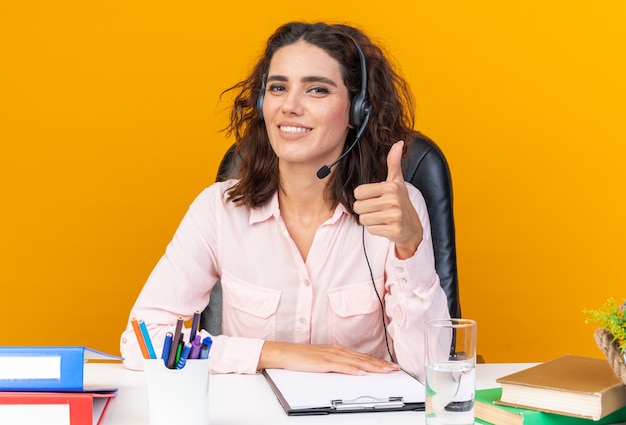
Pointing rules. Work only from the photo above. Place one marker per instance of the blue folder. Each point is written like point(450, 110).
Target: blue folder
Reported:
point(50, 368)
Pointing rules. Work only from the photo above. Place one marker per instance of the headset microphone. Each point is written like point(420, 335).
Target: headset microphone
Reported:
point(325, 170)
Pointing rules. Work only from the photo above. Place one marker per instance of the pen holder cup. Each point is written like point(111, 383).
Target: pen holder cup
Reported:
point(177, 396)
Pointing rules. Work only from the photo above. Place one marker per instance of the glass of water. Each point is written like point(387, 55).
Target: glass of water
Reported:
point(450, 346)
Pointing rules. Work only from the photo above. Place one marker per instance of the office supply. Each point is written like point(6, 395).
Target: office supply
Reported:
point(488, 412)
point(172, 360)
point(306, 393)
point(204, 351)
point(184, 355)
point(167, 345)
point(177, 396)
point(194, 326)
point(569, 385)
point(196, 345)
point(146, 339)
point(41, 368)
point(179, 351)
point(206, 347)
point(208, 341)
point(52, 408)
point(140, 338)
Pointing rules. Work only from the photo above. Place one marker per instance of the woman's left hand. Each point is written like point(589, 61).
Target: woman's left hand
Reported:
point(385, 208)
point(320, 358)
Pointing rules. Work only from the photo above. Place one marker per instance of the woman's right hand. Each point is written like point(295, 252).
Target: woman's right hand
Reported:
point(320, 358)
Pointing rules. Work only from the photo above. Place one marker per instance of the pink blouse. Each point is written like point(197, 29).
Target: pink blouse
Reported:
point(270, 293)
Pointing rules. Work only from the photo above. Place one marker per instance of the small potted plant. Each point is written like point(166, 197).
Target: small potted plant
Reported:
point(611, 335)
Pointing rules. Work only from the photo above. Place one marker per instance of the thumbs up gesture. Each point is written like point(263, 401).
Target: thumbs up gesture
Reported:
point(385, 208)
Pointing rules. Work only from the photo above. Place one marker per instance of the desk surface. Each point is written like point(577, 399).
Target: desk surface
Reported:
point(260, 406)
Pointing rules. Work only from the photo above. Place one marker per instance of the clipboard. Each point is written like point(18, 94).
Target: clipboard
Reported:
point(308, 393)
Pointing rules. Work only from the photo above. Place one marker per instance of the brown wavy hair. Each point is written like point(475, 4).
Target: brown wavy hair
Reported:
point(392, 116)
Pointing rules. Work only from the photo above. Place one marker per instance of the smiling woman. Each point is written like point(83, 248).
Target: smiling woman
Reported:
point(314, 283)
point(306, 115)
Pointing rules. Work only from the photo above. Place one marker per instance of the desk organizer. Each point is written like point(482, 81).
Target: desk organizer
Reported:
point(605, 342)
point(177, 396)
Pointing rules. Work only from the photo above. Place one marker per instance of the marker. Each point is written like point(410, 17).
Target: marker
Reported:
point(147, 340)
point(167, 345)
point(204, 351)
point(196, 344)
point(206, 347)
point(183, 356)
point(179, 351)
point(194, 326)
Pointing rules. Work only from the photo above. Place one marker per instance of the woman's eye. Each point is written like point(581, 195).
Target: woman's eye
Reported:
point(277, 87)
point(319, 90)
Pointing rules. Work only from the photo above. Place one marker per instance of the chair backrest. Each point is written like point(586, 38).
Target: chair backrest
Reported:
point(426, 168)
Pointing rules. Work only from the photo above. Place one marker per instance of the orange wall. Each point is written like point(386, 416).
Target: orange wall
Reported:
point(110, 119)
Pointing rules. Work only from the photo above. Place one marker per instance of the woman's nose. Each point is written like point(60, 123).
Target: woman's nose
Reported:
point(293, 104)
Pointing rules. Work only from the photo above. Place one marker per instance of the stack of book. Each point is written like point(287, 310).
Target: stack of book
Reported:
point(44, 385)
point(572, 390)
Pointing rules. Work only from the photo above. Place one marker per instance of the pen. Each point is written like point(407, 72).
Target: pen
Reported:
point(171, 360)
point(195, 347)
point(167, 345)
point(204, 351)
point(206, 347)
point(179, 352)
point(194, 326)
point(183, 356)
point(147, 340)
point(140, 340)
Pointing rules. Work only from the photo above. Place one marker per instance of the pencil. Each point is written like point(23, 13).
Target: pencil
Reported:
point(146, 339)
point(140, 340)
point(171, 361)
point(194, 326)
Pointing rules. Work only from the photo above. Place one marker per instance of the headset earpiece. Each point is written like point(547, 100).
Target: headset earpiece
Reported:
point(360, 104)
point(359, 109)
point(259, 100)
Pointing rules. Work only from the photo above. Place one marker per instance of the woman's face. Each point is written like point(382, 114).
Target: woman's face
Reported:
point(306, 106)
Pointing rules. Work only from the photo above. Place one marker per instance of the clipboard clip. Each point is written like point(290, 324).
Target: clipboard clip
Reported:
point(367, 402)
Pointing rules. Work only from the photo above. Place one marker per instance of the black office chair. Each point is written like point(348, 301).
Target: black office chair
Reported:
point(426, 168)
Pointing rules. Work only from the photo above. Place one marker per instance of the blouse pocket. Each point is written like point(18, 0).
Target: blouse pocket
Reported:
point(248, 310)
point(355, 319)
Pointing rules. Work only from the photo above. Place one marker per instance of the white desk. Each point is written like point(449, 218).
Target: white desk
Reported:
point(248, 399)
